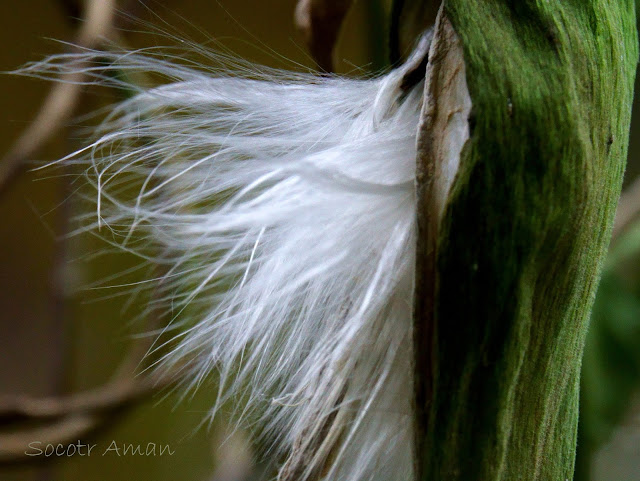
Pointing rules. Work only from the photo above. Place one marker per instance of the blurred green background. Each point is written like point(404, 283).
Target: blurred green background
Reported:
point(57, 337)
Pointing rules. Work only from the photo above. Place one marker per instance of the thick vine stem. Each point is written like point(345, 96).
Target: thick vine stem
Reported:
point(513, 262)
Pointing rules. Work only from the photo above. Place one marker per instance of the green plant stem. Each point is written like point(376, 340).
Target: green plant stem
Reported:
point(525, 233)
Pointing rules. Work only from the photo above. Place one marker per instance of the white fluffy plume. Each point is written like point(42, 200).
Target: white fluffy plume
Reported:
point(283, 206)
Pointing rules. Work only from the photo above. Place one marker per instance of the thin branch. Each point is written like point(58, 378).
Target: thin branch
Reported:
point(62, 98)
point(319, 21)
point(13, 446)
point(65, 418)
point(62, 419)
point(106, 397)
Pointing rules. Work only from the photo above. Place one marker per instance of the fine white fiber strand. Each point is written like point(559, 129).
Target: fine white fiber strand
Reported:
point(283, 207)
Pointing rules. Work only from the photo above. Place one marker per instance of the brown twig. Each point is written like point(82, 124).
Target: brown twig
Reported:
point(61, 100)
point(73, 416)
point(61, 419)
point(320, 22)
point(106, 397)
point(13, 447)
point(65, 418)
point(80, 414)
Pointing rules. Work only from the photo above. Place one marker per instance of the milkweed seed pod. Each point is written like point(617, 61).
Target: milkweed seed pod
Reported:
point(282, 206)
